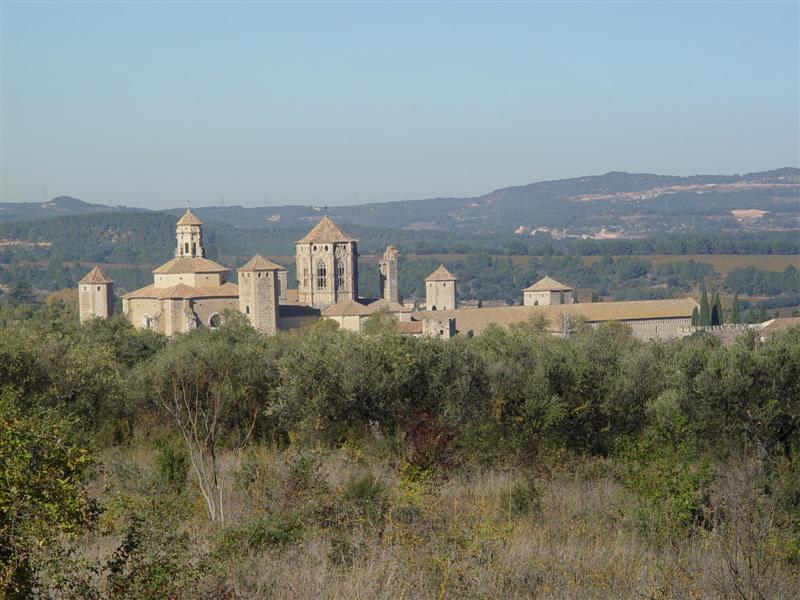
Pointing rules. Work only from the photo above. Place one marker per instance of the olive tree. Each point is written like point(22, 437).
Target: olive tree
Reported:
point(215, 386)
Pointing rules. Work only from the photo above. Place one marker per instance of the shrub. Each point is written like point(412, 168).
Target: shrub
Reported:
point(366, 494)
point(521, 499)
point(342, 552)
point(270, 531)
point(670, 478)
point(172, 464)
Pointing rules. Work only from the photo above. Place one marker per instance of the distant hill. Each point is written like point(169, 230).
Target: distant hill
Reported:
point(630, 204)
point(613, 205)
point(62, 206)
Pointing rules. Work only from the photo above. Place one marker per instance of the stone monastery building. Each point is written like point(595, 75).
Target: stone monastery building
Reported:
point(191, 291)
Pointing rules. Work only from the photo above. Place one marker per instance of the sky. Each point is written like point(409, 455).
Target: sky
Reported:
point(157, 104)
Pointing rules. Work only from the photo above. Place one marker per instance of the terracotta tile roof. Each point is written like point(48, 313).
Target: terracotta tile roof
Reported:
point(441, 274)
point(326, 231)
point(226, 290)
point(382, 303)
point(346, 308)
point(96, 276)
point(409, 327)
point(548, 284)
point(259, 263)
point(780, 324)
point(188, 218)
point(478, 319)
point(188, 264)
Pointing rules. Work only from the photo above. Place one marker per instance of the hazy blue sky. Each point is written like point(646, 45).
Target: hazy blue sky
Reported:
point(153, 104)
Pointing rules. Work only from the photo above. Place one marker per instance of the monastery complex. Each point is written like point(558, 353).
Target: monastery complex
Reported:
point(191, 291)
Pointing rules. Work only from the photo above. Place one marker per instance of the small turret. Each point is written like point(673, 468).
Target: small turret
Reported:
point(95, 295)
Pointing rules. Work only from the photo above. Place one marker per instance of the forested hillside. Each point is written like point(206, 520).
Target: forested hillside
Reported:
point(514, 463)
point(628, 204)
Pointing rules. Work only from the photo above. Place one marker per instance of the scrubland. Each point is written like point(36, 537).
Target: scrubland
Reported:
point(322, 464)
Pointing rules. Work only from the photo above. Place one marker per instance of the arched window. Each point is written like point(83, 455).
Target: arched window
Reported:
point(322, 275)
point(340, 270)
point(214, 321)
point(148, 322)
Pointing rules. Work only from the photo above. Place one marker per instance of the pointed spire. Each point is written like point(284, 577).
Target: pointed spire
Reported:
point(96, 276)
point(189, 218)
point(441, 274)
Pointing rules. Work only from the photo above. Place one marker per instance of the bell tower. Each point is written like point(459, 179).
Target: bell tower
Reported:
point(189, 232)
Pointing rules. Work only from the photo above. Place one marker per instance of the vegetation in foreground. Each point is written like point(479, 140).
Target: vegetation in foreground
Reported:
point(317, 463)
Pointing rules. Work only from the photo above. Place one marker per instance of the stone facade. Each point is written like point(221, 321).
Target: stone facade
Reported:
point(442, 328)
point(258, 293)
point(440, 290)
point(327, 266)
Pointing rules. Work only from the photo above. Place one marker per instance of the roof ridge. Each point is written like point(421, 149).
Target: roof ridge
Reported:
point(96, 275)
point(259, 263)
point(325, 231)
point(441, 274)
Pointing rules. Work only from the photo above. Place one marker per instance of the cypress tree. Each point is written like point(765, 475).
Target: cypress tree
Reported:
point(716, 310)
point(561, 298)
point(736, 311)
point(705, 309)
point(575, 296)
point(695, 317)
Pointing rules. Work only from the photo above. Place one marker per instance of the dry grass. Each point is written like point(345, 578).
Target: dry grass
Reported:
point(455, 537)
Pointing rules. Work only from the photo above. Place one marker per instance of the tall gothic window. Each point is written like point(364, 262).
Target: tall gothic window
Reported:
point(305, 278)
point(339, 273)
point(322, 275)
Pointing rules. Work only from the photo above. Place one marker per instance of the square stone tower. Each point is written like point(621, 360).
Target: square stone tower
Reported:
point(388, 281)
point(327, 266)
point(440, 290)
point(95, 295)
point(258, 293)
